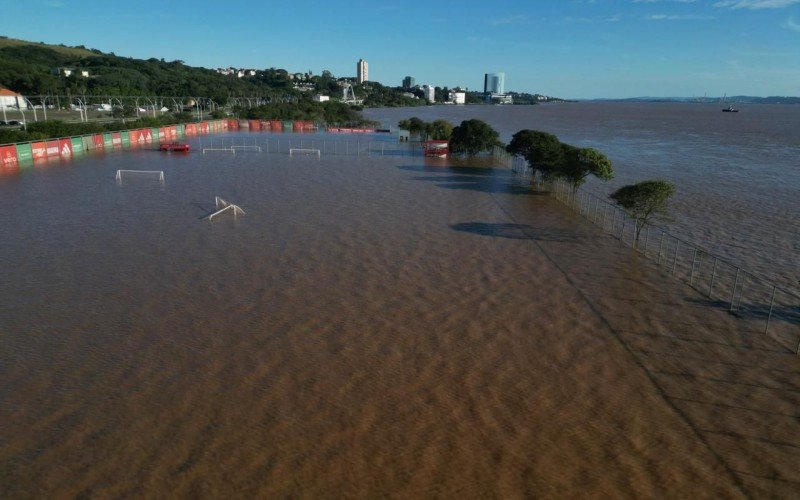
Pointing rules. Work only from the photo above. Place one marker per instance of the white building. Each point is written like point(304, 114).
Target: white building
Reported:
point(10, 99)
point(321, 98)
point(457, 97)
point(430, 93)
point(362, 71)
point(69, 71)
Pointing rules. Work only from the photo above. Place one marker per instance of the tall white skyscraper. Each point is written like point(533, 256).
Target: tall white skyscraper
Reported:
point(430, 92)
point(362, 71)
point(494, 83)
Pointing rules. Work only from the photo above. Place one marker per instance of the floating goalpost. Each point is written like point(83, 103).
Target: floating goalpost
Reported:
point(246, 148)
point(158, 173)
point(232, 150)
point(305, 152)
point(226, 207)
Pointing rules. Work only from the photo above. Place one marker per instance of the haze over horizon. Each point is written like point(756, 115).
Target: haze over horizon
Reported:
point(572, 49)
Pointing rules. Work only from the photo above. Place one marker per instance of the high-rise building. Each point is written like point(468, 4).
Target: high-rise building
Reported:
point(430, 92)
point(362, 71)
point(494, 83)
point(409, 82)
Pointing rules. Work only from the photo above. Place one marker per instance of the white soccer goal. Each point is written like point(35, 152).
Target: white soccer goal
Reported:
point(220, 149)
point(305, 152)
point(139, 173)
point(226, 207)
point(247, 148)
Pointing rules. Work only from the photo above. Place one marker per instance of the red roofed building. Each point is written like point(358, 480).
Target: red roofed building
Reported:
point(10, 99)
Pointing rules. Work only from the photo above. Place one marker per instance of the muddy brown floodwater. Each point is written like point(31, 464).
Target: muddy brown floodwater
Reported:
point(371, 327)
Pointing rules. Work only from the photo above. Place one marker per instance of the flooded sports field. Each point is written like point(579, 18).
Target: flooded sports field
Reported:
point(372, 326)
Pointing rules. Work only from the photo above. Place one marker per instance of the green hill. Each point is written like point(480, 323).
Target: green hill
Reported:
point(32, 69)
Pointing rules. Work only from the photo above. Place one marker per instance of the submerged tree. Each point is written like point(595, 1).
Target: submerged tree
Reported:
point(439, 130)
point(580, 163)
point(644, 200)
point(542, 150)
point(472, 137)
point(414, 125)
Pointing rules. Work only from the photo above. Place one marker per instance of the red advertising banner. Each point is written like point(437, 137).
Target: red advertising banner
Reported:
point(233, 124)
point(302, 126)
point(97, 141)
point(254, 125)
point(8, 156)
point(265, 125)
point(204, 127)
point(52, 148)
point(141, 136)
point(64, 147)
point(190, 129)
point(340, 130)
point(116, 139)
point(39, 150)
point(276, 125)
point(171, 133)
point(223, 125)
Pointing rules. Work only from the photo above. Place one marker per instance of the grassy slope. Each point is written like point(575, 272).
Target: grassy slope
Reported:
point(68, 51)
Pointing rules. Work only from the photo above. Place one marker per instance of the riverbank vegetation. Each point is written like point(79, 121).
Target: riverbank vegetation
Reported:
point(439, 130)
point(644, 201)
point(51, 129)
point(329, 112)
point(554, 159)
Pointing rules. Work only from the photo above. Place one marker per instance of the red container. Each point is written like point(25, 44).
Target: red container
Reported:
point(265, 125)
point(204, 128)
point(276, 125)
point(254, 125)
point(116, 139)
point(233, 124)
point(97, 141)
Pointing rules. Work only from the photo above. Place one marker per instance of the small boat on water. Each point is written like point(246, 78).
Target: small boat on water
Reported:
point(730, 109)
point(174, 146)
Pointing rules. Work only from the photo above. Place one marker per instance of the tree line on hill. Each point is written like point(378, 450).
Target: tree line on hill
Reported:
point(35, 69)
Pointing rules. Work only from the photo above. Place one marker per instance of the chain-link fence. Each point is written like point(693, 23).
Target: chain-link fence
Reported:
point(325, 147)
point(764, 306)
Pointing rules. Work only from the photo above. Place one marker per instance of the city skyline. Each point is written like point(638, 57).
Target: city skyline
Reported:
point(571, 49)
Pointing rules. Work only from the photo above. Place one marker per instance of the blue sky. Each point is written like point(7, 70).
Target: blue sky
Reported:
point(565, 48)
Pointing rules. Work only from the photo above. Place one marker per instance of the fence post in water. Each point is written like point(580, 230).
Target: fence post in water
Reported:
point(646, 238)
point(713, 275)
point(733, 292)
point(660, 246)
point(675, 260)
point(771, 306)
point(691, 275)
